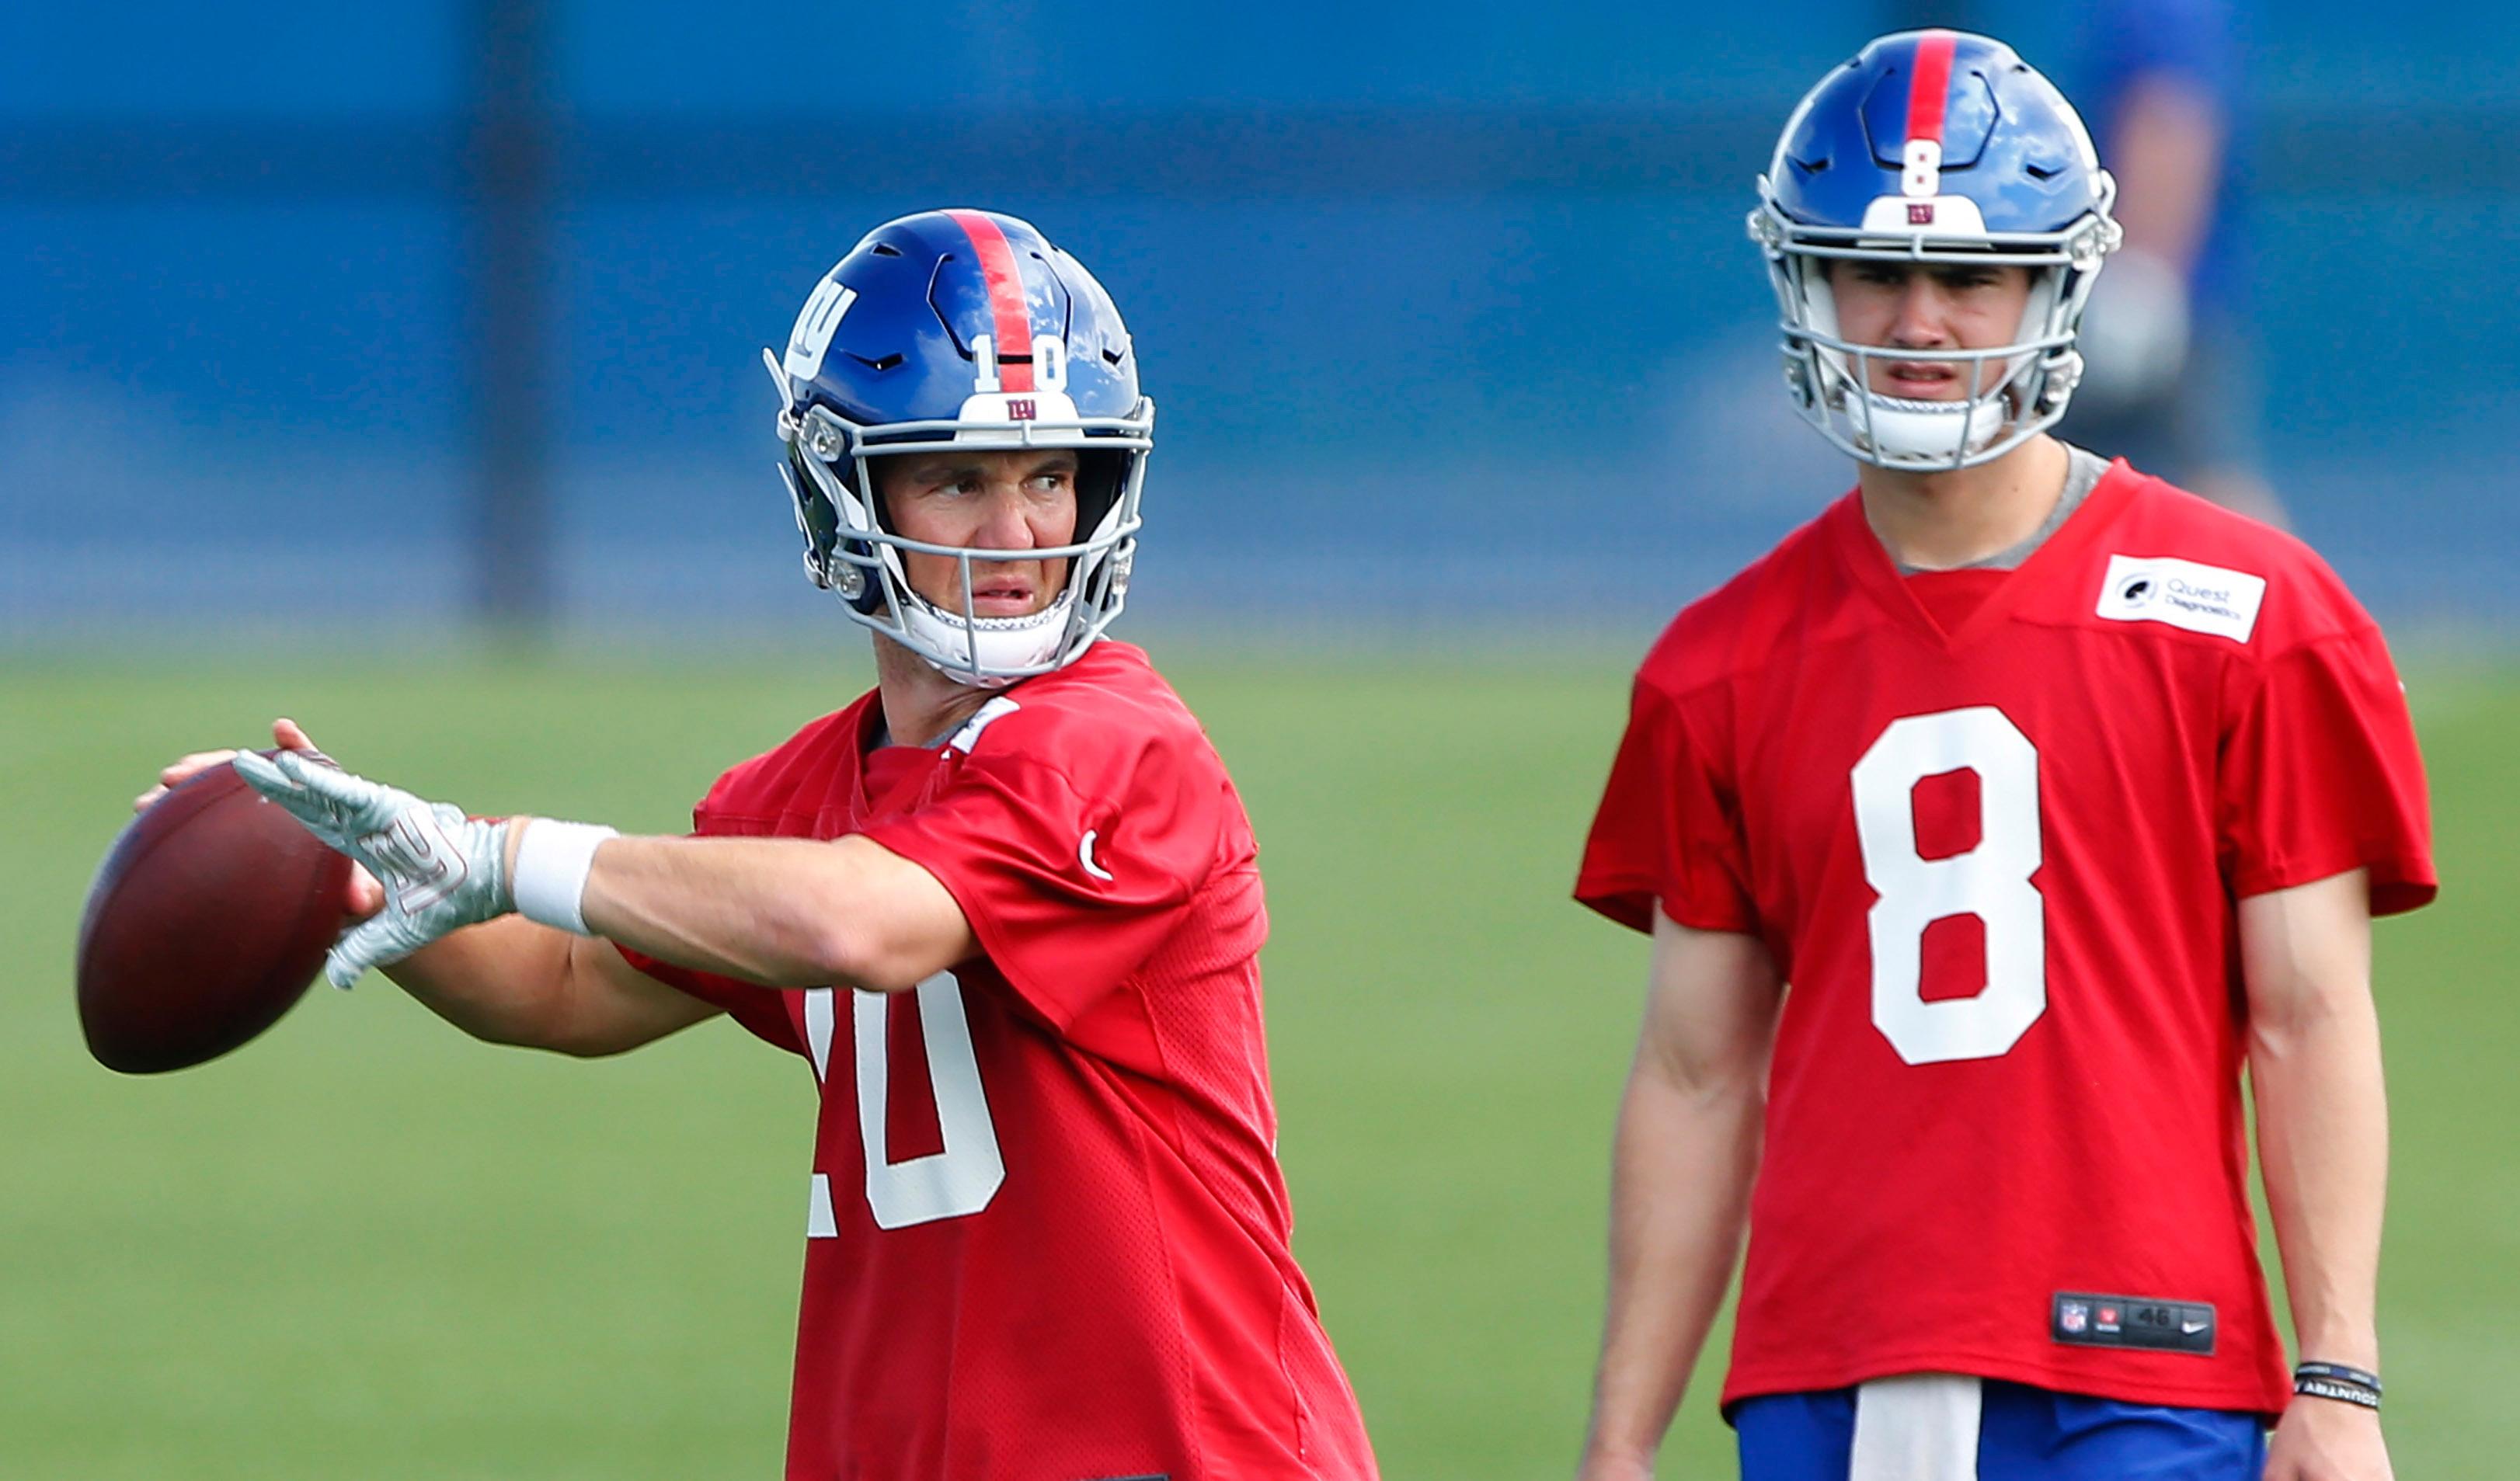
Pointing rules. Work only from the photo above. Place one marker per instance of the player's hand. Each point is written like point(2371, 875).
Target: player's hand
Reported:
point(441, 869)
point(362, 898)
point(284, 734)
point(2323, 1439)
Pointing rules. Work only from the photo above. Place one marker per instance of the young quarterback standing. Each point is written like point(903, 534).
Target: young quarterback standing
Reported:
point(2060, 797)
point(1006, 907)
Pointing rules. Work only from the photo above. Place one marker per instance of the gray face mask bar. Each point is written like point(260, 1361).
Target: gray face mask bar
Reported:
point(1829, 379)
point(1932, 435)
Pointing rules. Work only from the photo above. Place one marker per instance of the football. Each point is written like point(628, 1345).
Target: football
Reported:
point(208, 919)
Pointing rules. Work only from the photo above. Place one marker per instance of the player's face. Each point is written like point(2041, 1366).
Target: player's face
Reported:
point(1016, 499)
point(1940, 306)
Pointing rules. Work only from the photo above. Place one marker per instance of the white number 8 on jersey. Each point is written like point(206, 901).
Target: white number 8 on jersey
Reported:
point(1991, 882)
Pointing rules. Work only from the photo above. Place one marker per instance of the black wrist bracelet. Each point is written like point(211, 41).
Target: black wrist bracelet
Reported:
point(2339, 1372)
point(2343, 1393)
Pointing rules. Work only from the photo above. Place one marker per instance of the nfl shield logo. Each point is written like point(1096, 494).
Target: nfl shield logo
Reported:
point(2075, 1317)
point(1921, 213)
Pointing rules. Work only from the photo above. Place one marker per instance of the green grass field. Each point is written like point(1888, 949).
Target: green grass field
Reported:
point(368, 1247)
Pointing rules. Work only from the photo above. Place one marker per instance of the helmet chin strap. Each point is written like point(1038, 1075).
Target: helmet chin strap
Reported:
point(991, 643)
point(1926, 434)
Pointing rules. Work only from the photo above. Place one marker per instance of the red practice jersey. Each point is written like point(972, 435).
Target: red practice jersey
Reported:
point(1998, 864)
point(1048, 1236)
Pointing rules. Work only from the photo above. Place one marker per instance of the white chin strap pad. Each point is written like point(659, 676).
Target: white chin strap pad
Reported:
point(998, 643)
point(1926, 432)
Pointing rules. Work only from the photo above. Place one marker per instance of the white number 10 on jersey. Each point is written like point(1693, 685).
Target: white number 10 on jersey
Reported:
point(967, 1174)
point(1991, 882)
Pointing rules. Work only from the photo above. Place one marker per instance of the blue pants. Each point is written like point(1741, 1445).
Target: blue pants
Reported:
point(2024, 1434)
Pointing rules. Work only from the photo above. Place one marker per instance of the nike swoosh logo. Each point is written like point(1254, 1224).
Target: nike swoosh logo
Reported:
point(1085, 856)
point(2191, 1329)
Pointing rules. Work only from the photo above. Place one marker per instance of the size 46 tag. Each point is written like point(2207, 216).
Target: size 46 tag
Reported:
point(2085, 1319)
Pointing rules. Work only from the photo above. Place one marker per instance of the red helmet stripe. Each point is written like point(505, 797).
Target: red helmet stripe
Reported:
point(1930, 85)
point(1006, 297)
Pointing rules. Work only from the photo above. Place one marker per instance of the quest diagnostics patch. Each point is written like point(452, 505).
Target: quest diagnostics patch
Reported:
point(2202, 598)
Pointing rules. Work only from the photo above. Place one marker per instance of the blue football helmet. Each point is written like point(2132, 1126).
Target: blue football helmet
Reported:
point(961, 329)
point(1928, 146)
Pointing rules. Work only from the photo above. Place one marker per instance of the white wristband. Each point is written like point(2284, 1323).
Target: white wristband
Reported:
point(553, 860)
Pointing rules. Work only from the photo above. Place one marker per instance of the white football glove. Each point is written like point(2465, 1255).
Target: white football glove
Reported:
point(441, 869)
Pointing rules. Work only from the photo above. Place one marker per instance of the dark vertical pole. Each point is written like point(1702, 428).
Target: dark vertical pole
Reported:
point(509, 174)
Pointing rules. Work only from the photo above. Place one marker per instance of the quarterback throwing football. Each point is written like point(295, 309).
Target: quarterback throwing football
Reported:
point(1005, 906)
point(2060, 797)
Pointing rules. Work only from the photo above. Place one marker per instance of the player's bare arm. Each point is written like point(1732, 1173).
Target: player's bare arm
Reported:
point(2323, 1146)
point(779, 912)
point(1686, 1152)
point(512, 981)
point(774, 912)
point(2169, 142)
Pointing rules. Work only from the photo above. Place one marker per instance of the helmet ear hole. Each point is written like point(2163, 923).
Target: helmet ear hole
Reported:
point(817, 519)
point(826, 545)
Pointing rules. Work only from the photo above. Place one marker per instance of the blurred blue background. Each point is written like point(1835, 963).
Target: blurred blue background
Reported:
point(1448, 309)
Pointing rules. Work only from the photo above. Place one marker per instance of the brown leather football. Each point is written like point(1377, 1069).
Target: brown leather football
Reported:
point(208, 918)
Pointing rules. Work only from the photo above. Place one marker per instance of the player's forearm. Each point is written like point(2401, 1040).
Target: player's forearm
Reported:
point(2322, 1111)
point(1680, 1200)
point(2322, 1142)
point(2169, 152)
point(502, 981)
point(779, 912)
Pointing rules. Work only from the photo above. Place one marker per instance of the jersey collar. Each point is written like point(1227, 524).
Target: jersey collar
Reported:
point(1871, 568)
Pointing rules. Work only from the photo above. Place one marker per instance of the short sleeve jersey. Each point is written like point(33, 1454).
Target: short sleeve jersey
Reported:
point(1047, 1233)
point(1998, 866)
